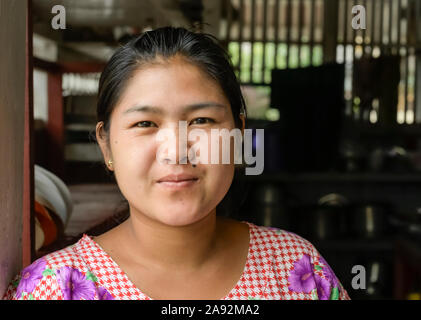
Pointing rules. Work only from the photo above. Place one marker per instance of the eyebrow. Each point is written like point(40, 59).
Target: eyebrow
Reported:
point(186, 109)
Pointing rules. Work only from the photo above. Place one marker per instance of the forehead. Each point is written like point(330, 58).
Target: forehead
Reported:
point(170, 84)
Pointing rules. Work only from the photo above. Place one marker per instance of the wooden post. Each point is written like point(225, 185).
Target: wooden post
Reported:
point(28, 232)
point(14, 105)
point(55, 124)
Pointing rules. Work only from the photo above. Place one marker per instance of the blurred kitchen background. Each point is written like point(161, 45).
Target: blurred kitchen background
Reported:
point(341, 109)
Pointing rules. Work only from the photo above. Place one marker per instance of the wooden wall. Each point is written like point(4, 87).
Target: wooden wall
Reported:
point(12, 135)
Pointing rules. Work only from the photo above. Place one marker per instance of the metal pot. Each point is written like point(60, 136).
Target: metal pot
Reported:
point(370, 221)
point(325, 221)
point(407, 223)
point(325, 224)
point(267, 206)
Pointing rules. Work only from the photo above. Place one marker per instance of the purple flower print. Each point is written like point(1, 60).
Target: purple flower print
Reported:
point(301, 278)
point(328, 273)
point(103, 294)
point(323, 287)
point(30, 277)
point(74, 284)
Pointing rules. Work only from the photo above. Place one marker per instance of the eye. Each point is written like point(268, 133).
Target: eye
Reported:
point(203, 120)
point(144, 124)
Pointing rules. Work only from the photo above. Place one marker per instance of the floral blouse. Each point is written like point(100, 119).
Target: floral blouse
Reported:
point(280, 265)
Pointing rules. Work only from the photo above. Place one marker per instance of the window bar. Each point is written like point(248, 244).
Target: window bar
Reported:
point(354, 33)
point(252, 26)
point(372, 35)
point(363, 31)
point(358, 115)
point(407, 58)
point(289, 24)
point(390, 25)
point(399, 26)
point(300, 29)
point(229, 21)
point(345, 28)
point(398, 43)
point(265, 12)
point(322, 5)
point(240, 37)
point(381, 26)
point(227, 4)
point(373, 25)
point(417, 48)
point(363, 34)
point(340, 22)
point(276, 20)
point(345, 54)
point(312, 13)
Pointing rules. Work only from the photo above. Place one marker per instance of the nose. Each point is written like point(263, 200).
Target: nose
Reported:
point(175, 146)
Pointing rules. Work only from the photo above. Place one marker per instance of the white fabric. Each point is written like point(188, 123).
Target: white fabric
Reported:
point(51, 192)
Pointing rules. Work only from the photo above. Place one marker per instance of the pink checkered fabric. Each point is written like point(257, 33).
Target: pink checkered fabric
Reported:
point(278, 263)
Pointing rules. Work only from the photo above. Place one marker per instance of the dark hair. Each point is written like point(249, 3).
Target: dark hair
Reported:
point(164, 43)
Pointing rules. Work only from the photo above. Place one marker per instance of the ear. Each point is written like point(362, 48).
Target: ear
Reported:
point(103, 143)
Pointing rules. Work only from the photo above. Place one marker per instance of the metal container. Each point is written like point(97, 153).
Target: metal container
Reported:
point(267, 206)
point(325, 221)
point(370, 221)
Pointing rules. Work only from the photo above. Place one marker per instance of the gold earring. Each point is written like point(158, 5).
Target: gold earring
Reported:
point(110, 163)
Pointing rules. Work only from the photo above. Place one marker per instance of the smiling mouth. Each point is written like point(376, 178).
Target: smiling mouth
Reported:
point(179, 184)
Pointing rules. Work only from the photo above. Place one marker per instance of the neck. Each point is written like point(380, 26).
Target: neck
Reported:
point(183, 248)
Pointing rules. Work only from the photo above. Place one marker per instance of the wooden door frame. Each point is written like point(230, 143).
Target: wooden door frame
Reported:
point(28, 221)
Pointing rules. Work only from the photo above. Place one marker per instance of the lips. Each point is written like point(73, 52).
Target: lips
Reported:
point(178, 178)
point(177, 182)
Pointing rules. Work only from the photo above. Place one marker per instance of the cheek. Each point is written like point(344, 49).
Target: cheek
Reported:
point(219, 179)
point(215, 149)
point(133, 157)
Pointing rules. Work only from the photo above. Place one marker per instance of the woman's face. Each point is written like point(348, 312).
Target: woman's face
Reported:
point(168, 89)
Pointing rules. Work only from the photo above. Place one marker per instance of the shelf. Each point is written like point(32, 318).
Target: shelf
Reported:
point(396, 130)
point(336, 177)
point(356, 245)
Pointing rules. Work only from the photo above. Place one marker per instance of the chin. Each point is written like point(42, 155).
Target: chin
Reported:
point(179, 217)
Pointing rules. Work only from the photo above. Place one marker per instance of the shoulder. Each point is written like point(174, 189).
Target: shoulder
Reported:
point(280, 240)
point(298, 267)
point(283, 247)
point(41, 280)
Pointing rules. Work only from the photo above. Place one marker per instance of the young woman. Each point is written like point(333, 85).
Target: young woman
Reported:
point(175, 244)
